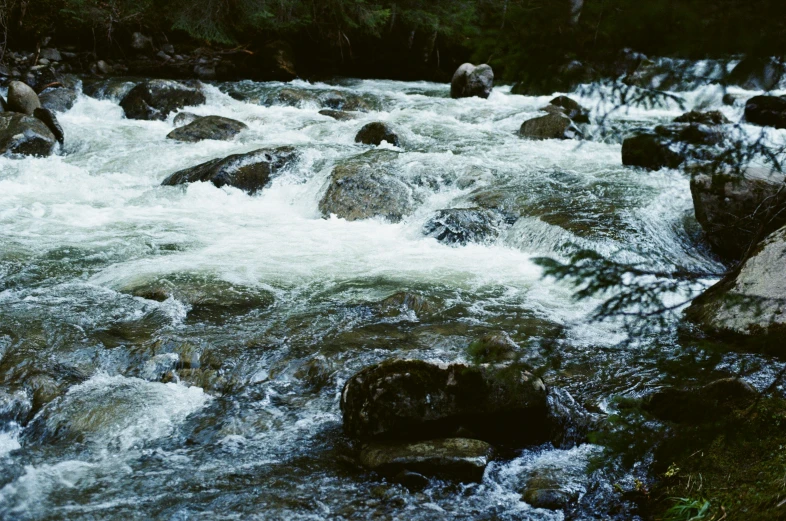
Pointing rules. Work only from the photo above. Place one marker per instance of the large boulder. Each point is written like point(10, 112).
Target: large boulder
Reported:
point(451, 458)
point(738, 211)
point(375, 133)
point(469, 81)
point(767, 111)
point(22, 98)
point(48, 118)
point(156, 99)
point(464, 225)
point(749, 304)
point(114, 89)
point(367, 186)
point(58, 99)
point(249, 172)
point(26, 135)
point(551, 126)
point(757, 73)
point(209, 127)
point(669, 146)
point(413, 399)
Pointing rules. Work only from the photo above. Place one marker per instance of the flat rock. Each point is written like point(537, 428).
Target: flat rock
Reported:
point(208, 127)
point(249, 172)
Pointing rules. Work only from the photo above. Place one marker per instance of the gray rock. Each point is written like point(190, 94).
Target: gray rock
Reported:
point(249, 172)
point(543, 490)
point(168, 48)
point(766, 111)
point(156, 99)
point(460, 459)
point(550, 126)
point(58, 99)
point(738, 211)
point(22, 98)
point(469, 81)
point(114, 89)
point(367, 186)
point(375, 133)
point(50, 54)
point(341, 100)
point(339, 115)
point(413, 399)
point(464, 225)
point(142, 43)
point(163, 56)
point(103, 68)
point(26, 135)
point(749, 304)
point(669, 146)
point(209, 127)
point(184, 118)
point(570, 108)
point(48, 118)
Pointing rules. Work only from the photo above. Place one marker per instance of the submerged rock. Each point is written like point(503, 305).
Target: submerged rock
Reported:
point(543, 490)
point(48, 118)
point(338, 115)
point(749, 304)
point(249, 172)
point(412, 399)
point(669, 146)
point(375, 133)
point(22, 98)
point(404, 301)
point(26, 135)
point(58, 99)
point(464, 225)
point(738, 211)
point(367, 186)
point(551, 126)
point(156, 99)
point(766, 111)
point(469, 81)
point(451, 458)
point(709, 118)
point(711, 403)
point(493, 348)
point(208, 127)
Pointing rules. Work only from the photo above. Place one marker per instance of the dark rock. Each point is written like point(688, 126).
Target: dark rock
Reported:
point(709, 118)
point(316, 373)
point(464, 225)
point(184, 118)
point(550, 126)
point(570, 108)
point(278, 62)
point(375, 133)
point(21, 134)
point(544, 491)
point(459, 459)
point(249, 172)
point(713, 402)
point(50, 54)
point(493, 348)
point(22, 98)
point(367, 186)
point(339, 115)
point(412, 399)
point(114, 89)
point(3, 106)
point(340, 100)
point(649, 150)
point(156, 99)
point(209, 127)
point(756, 73)
point(469, 81)
point(767, 111)
point(749, 304)
point(58, 99)
point(404, 301)
point(738, 211)
point(48, 118)
point(168, 48)
point(292, 97)
point(689, 133)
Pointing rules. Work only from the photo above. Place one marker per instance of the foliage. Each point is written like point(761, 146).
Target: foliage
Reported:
point(688, 509)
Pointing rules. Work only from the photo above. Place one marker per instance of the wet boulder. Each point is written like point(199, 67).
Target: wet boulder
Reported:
point(551, 126)
point(375, 133)
point(249, 172)
point(413, 399)
point(738, 211)
point(48, 118)
point(341, 100)
point(156, 99)
point(469, 81)
point(749, 304)
point(712, 402)
point(757, 73)
point(58, 99)
point(464, 225)
point(184, 118)
point(114, 89)
point(26, 135)
point(543, 490)
point(407, 302)
point(766, 111)
point(338, 115)
point(461, 459)
point(709, 118)
point(22, 98)
point(367, 186)
point(493, 348)
point(569, 107)
point(669, 146)
point(208, 127)
point(649, 150)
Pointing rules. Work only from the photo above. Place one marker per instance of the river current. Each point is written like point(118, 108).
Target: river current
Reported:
point(117, 406)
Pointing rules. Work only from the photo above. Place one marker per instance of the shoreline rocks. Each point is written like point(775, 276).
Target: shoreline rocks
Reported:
point(470, 81)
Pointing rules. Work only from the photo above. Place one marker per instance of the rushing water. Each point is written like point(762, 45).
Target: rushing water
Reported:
point(151, 410)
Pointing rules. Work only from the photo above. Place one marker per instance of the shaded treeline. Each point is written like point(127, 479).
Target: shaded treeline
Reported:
point(412, 38)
